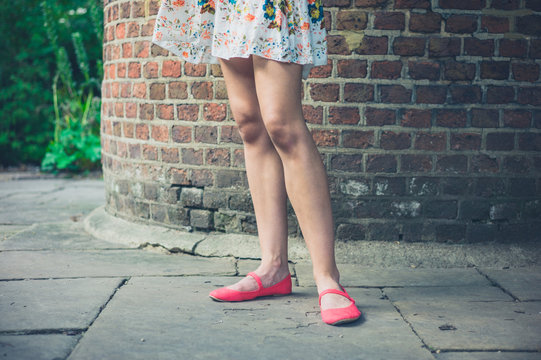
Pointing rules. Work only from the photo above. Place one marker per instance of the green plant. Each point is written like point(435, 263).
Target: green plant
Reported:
point(76, 143)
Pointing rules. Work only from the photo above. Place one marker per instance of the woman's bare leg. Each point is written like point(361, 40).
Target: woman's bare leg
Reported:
point(264, 172)
point(278, 88)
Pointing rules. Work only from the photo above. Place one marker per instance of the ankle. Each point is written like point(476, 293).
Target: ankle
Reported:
point(328, 280)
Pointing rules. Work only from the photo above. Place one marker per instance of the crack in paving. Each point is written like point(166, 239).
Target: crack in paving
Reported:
point(494, 283)
point(102, 307)
point(59, 331)
point(425, 345)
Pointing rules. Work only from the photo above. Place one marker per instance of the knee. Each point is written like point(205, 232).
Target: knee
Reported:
point(282, 131)
point(249, 124)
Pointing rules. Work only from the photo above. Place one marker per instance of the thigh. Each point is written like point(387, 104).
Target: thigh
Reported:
point(278, 85)
point(241, 91)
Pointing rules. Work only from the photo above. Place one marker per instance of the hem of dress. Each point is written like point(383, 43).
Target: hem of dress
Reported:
point(212, 58)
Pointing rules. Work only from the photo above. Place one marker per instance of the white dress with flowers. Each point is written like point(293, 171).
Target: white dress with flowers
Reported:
point(200, 31)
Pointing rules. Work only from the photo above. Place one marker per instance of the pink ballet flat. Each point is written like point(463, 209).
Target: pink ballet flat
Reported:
point(225, 294)
point(339, 315)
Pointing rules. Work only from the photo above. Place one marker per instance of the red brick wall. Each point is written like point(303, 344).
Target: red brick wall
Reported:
point(427, 117)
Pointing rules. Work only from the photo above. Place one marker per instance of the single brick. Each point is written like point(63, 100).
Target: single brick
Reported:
point(506, 4)
point(192, 156)
point(430, 141)
point(166, 112)
point(409, 46)
point(529, 142)
point(146, 111)
point(529, 96)
point(517, 118)
point(357, 139)
point(440, 209)
point(495, 24)
point(525, 72)
point(206, 134)
point(202, 90)
point(171, 68)
point(462, 4)
point(381, 163)
point(191, 197)
point(452, 163)
point(390, 140)
point(379, 117)
point(150, 70)
point(497, 70)
point(157, 91)
point(350, 232)
point(498, 141)
point(529, 25)
point(196, 70)
point(324, 92)
point(461, 24)
point(451, 118)
point(442, 47)
point(347, 162)
point(428, 22)
point(484, 163)
point(214, 112)
point(386, 69)
point(387, 20)
point(325, 137)
point(160, 133)
point(394, 94)
point(178, 90)
point(465, 94)
point(430, 94)
point(352, 68)
point(415, 163)
point(218, 157)
point(485, 118)
point(478, 47)
point(181, 134)
point(170, 155)
point(416, 118)
point(344, 115)
point(230, 134)
point(458, 71)
point(336, 44)
point(354, 92)
point(351, 20)
point(373, 45)
point(201, 219)
point(188, 112)
point(513, 47)
point(419, 70)
point(516, 164)
point(313, 114)
point(500, 94)
point(412, 4)
point(465, 141)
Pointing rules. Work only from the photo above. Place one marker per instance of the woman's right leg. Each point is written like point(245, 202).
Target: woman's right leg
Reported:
point(264, 170)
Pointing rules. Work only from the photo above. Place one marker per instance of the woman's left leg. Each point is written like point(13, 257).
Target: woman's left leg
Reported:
point(278, 87)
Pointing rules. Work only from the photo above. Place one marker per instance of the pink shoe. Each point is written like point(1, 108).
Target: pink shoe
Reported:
point(339, 315)
point(225, 294)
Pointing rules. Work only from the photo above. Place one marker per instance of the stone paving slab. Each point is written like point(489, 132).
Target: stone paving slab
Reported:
point(469, 317)
point(173, 318)
point(489, 355)
point(48, 201)
point(95, 263)
point(524, 284)
point(62, 236)
point(37, 347)
point(355, 275)
point(53, 304)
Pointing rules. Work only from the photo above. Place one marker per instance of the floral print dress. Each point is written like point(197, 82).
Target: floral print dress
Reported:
point(200, 31)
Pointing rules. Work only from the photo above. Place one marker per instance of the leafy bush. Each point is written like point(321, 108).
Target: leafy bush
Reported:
point(31, 112)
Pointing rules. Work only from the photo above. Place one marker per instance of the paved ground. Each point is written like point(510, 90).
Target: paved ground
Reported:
point(66, 294)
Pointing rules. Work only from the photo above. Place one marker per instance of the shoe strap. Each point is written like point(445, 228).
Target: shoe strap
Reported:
point(338, 292)
point(257, 279)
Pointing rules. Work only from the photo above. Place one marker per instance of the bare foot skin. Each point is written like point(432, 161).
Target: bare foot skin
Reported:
point(331, 301)
point(269, 276)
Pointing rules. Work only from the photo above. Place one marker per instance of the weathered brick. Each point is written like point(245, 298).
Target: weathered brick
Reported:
point(499, 141)
point(160, 133)
point(350, 232)
point(188, 112)
point(465, 141)
point(344, 115)
point(430, 141)
point(181, 134)
point(390, 140)
point(497, 70)
point(416, 118)
point(485, 118)
point(386, 69)
point(313, 114)
point(525, 72)
point(500, 94)
point(415, 163)
point(516, 164)
point(451, 118)
point(495, 24)
point(440, 209)
point(218, 157)
point(379, 117)
point(166, 112)
point(419, 70)
point(484, 163)
point(412, 4)
point(517, 118)
point(478, 47)
point(430, 94)
point(170, 155)
point(347, 162)
point(196, 70)
point(513, 47)
point(452, 163)
point(336, 44)
point(202, 90)
point(192, 156)
point(388, 20)
point(444, 46)
point(324, 92)
point(428, 22)
point(505, 4)
point(206, 134)
point(358, 139)
point(529, 95)
point(352, 68)
point(461, 24)
point(369, 3)
point(351, 20)
point(361, 93)
point(475, 210)
point(214, 112)
point(381, 163)
point(201, 219)
point(146, 111)
point(171, 68)
point(529, 142)
point(394, 94)
point(177, 90)
point(465, 94)
point(409, 46)
point(529, 24)
point(157, 91)
point(454, 70)
point(325, 137)
point(373, 45)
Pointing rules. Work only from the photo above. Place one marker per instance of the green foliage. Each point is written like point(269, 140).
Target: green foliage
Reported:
point(50, 74)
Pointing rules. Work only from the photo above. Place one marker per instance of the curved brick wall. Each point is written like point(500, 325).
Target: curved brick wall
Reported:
point(427, 117)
